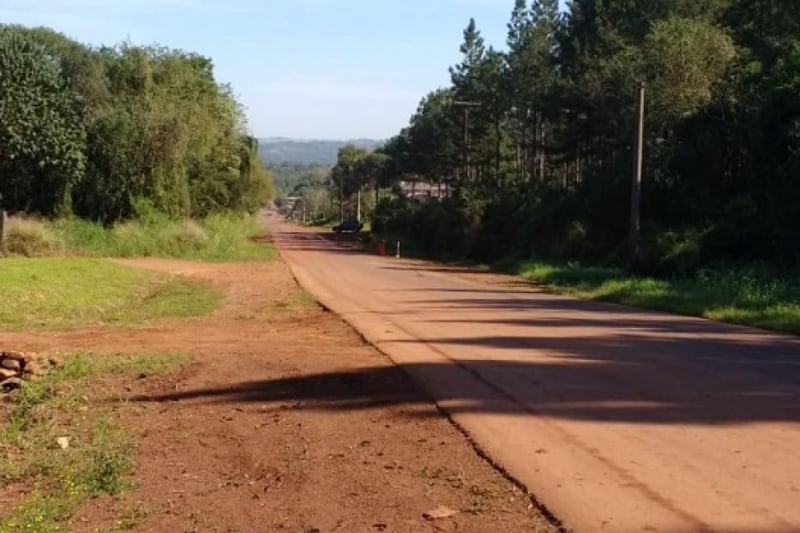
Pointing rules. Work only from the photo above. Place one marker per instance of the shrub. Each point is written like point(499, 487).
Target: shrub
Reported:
point(186, 236)
point(218, 237)
point(30, 238)
point(129, 239)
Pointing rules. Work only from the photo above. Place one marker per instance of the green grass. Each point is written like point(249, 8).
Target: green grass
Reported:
point(229, 237)
point(216, 238)
point(69, 292)
point(98, 460)
point(746, 297)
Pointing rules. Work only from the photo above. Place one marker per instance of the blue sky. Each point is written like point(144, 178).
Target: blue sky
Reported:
point(302, 68)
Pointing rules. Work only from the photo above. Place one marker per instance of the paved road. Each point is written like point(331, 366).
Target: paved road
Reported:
point(615, 419)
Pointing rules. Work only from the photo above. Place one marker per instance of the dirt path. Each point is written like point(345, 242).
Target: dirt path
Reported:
point(616, 418)
point(285, 421)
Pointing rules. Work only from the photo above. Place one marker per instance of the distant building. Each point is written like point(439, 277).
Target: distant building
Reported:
point(423, 190)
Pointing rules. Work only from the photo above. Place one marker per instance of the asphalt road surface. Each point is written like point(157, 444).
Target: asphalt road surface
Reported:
point(616, 419)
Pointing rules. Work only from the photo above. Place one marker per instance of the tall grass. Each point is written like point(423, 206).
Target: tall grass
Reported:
point(29, 237)
point(228, 237)
point(742, 296)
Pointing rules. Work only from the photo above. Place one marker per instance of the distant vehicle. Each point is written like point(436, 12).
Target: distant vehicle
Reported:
point(353, 226)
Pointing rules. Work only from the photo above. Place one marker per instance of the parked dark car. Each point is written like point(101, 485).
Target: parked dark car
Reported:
point(353, 226)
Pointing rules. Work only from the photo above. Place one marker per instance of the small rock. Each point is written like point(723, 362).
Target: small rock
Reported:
point(10, 364)
point(6, 373)
point(439, 513)
point(34, 369)
point(63, 442)
point(55, 361)
point(11, 384)
point(19, 356)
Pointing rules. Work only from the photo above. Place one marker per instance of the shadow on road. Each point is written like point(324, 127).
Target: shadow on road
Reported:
point(602, 363)
point(606, 383)
point(317, 242)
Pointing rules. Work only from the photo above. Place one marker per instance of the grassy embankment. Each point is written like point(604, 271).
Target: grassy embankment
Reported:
point(51, 278)
point(70, 402)
point(216, 238)
point(748, 297)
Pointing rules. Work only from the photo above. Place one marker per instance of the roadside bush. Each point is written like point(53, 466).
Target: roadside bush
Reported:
point(425, 227)
point(219, 237)
point(186, 236)
point(30, 238)
point(230, 237)
point(129, 239)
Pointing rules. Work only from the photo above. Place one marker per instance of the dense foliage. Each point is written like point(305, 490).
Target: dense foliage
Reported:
point(543, 167)
point(98, 132)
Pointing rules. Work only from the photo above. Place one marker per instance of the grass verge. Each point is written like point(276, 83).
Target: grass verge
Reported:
point(231, 237)
point(98, 459)
point(747, 297)
point(67, 292)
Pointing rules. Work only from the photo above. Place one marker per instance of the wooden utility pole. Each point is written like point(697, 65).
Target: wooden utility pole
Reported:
point(541, 148)
point(467, 106)
point(341, 199)
point(634, 237)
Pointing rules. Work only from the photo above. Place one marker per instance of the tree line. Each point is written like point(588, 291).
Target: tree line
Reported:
point(535, 144)
point(97, 132)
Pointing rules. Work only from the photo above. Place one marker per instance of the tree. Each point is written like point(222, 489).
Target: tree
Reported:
point(41, 136)
point(532, 77)
point(346, 176)
point(473, 51)
point(684, 61)
point(99, 130)
point(372, 170)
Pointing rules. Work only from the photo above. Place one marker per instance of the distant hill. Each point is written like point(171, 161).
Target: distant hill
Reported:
point(275, 151)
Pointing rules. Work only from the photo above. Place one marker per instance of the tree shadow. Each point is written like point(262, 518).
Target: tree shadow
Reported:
point(617, 379)
point(316, 242)
point(553, 356)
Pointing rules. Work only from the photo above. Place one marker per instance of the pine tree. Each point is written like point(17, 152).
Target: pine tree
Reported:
point(473, 51)
point(518, 27)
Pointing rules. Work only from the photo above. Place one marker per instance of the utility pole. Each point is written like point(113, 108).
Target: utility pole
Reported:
point(636, 186)
point(358, 212)
point(467, 106)
point(341, 198)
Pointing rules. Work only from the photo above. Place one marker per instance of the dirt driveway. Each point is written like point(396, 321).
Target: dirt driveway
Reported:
point(285, 421)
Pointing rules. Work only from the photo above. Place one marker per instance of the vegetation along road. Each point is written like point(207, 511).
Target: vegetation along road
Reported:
point(617, 419)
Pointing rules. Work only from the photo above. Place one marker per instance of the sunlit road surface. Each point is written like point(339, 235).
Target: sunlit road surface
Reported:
point(616, 419)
